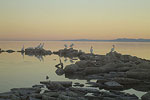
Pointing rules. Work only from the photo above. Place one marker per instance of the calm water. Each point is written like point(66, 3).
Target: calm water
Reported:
point(24, 71)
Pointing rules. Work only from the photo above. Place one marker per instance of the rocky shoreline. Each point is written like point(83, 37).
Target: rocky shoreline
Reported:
point(113, 72)
point(63, 90)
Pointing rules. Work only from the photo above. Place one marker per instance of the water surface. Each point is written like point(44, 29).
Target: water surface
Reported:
point(24, 71)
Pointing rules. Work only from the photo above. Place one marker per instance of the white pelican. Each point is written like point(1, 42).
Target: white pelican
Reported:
point(71, 46)
point(22, 48)
point(38, 47)
point(91, 50)
point(113, 48)
point(65, 46)
point(41, 47)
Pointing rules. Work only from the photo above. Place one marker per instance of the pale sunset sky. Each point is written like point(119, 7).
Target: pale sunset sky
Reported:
point(74, 19)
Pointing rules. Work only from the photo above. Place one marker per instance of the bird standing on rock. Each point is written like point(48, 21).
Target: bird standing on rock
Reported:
point(38, 47)
point(41, 47)
point(47, 77)
point(22, 50)
point(113, 48)
point(71, 46)
point(65, 46)
point(91, 50)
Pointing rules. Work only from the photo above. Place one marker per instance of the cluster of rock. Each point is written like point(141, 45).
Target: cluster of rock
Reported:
point(31, 51)
point(57, 90)
point(9, 51)
point(36, 51)
point(112, 71)
point(68, 52)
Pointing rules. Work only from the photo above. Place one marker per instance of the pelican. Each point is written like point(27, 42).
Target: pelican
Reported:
point(41, 47)
point(91, 50)
point(71, 46)
point(38, 47)
point(113, 48)
point(22, 50)
point(65, 46)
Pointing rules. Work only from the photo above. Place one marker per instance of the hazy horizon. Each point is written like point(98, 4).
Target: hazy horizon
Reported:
point(74, 19)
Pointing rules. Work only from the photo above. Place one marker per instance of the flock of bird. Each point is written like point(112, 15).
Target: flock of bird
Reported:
point(112, 49)
point(66, 46)
point(40, 46)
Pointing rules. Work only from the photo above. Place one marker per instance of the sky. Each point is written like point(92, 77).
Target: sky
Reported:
point(74, 19)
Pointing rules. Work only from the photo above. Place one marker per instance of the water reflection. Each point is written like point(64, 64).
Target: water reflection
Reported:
point(60, 68)
point(39, 57)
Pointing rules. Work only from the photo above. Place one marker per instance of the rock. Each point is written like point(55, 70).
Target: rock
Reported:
point(35, 51)
point(36, 95)
point(84, 90)
point(51, 94)
point(8, 96)
point(139, 73)
point(146, 96)
point(63, 83)
point(114, 74)
point(96, 76)
point(57, 85)
point(71, 68)
point(59, 71)
point(44, 97)
point(118, 96)
point(38, 86)
point(10, 51)
point(82, 63)
point(79, 85)
point(113, 85)
point(93, 70)
point(92, 84)
point(68, 53)
point(31, 98)
point(127, 81)
point(25, 91)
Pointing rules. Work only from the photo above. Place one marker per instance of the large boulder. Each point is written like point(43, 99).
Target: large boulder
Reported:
point(10, 51)
point(57, 85)
point(68, 52)
point(142, 74)
point(71, 68)
point(35, 51)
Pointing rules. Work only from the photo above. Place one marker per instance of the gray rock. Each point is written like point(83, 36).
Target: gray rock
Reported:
point(25, 91)
point(10, 51)
point(63, 83)
point(71, 68)
point(35, 51)
point(86, 90)
point(8, 96)
point(113, 85)
point(44, 97)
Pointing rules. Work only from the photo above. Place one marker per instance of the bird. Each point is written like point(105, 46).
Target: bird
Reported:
point(41, 47)
point(22, 50)
point(38, 47)
point(113, 48)
point(65, 46)
point(71, 46)
point(47, 77)
point(91, 50)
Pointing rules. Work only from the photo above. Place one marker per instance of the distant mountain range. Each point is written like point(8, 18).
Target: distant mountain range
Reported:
point(115, 40)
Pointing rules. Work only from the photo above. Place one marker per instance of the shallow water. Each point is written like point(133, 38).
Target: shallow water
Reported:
point(17, 70)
